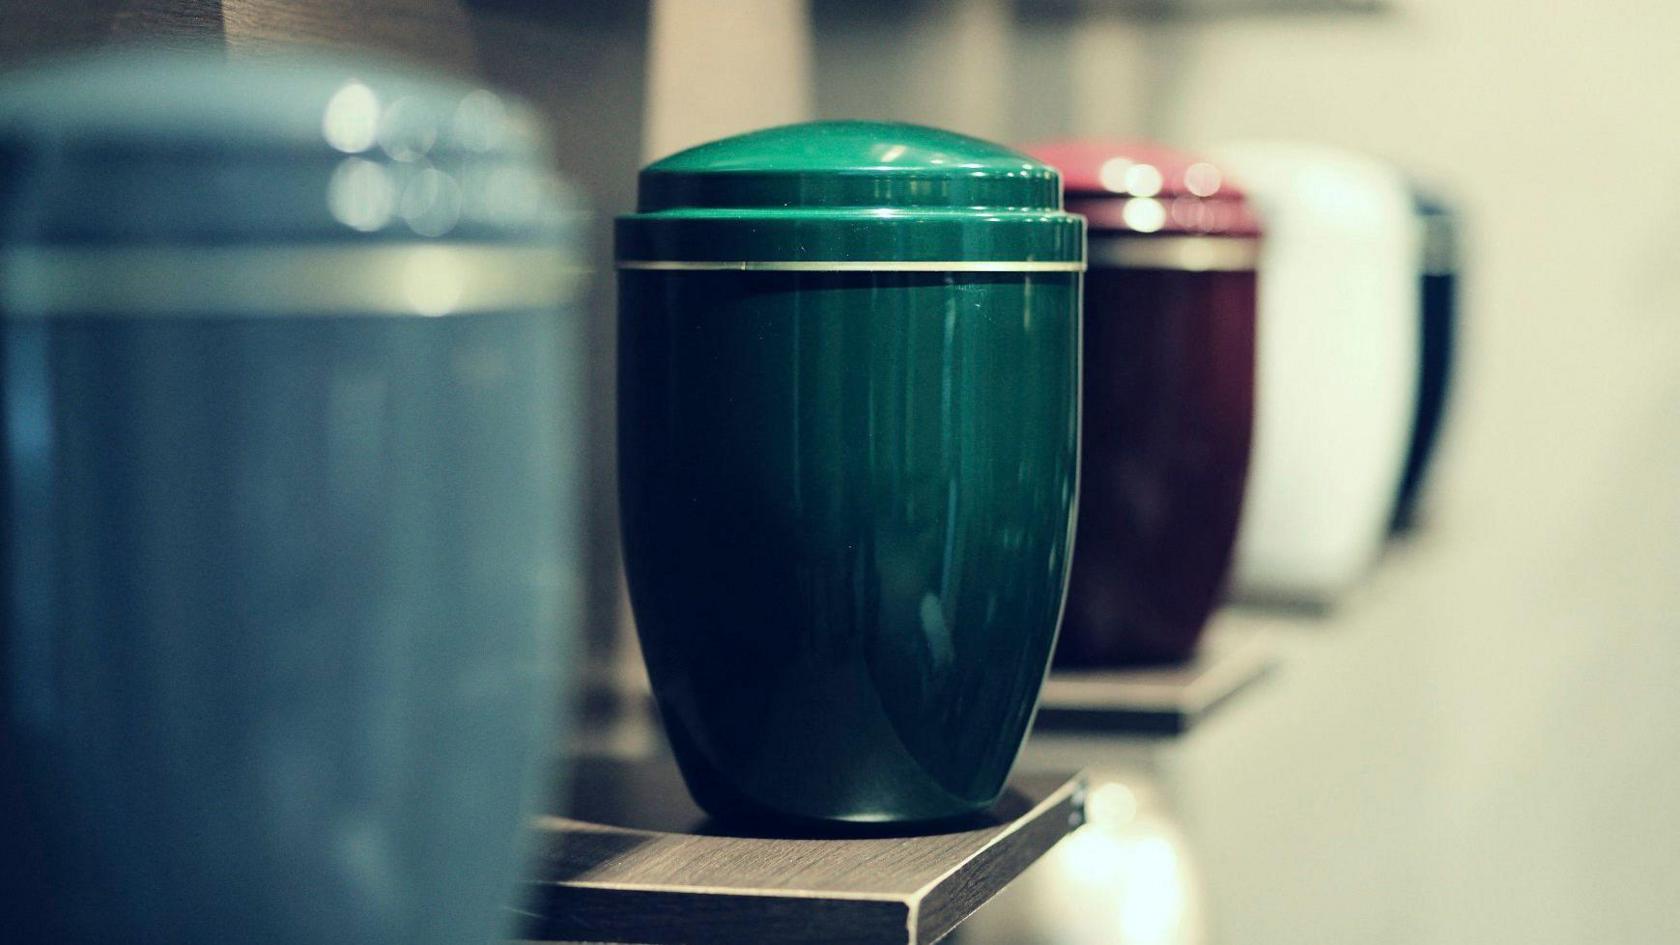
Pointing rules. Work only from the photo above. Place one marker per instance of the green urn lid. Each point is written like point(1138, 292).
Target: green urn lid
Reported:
point(851, 195)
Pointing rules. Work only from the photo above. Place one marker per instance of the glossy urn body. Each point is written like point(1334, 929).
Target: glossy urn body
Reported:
point(1338, 367)
point(288, 522)
point(848, 458)
point(1168, 398)
point(1438, 287)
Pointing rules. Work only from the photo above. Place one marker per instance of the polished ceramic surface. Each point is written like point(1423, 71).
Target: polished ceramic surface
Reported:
point(281, 622)
point(1169, 400)
point(850, 191)
point(1439, 292)
point(1337, 348)
point(288, 555)
point(847, 502)
point(1169, 379)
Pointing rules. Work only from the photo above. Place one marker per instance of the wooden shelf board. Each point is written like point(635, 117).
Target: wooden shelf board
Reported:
point(1215, 9)
point(1167, 700)
point(638, 862)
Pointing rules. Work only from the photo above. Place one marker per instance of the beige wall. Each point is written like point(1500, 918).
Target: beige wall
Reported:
point(998, 69)
point(720, 67)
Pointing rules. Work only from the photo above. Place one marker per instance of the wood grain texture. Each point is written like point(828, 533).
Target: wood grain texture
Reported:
point(1165, 700)
point(30, 29)
point(436, 33)
point(658, 916)
point(658, 871)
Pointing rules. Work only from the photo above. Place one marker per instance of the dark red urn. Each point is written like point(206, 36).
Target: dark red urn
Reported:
point(1168, 398)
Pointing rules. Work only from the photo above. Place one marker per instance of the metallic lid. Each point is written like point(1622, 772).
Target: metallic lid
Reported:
point(184, 146)
point(850, 194)
point(1133, 187)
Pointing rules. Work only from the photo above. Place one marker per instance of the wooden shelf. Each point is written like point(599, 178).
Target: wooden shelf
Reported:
point(870, 12)
point(1215, 9)
point(638, 862)
point(1157, 701)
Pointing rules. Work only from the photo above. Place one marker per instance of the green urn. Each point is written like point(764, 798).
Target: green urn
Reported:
point(849, 444)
